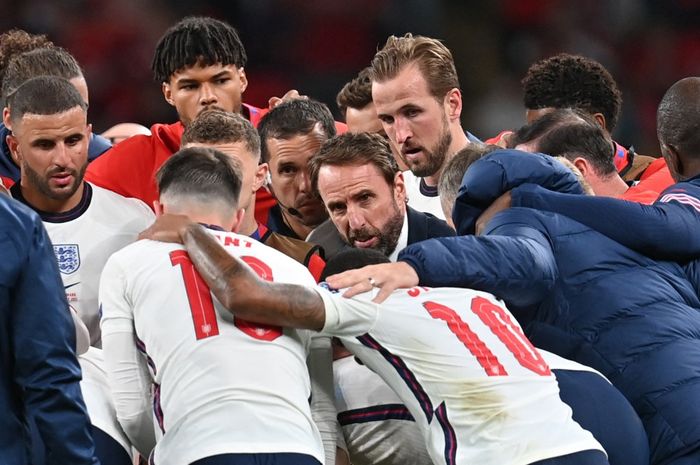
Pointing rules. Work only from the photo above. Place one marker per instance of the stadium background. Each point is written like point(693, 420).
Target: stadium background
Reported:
point(315, 46)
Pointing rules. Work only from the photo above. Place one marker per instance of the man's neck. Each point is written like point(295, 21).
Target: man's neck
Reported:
point(42, 203)
point(459, 141)
point(248, 223)
point(612, 186)
point(301, 230)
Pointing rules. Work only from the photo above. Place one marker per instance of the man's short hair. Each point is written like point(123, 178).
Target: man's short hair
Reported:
point(432, 57)
point(46, 61)
point(197, 40)
point(583, 138)
point(678, 118)
point(44, 95)
point(453, 172)
point(215, 126)
point(201, 174)
point(354, 149)
point(356, 93)
point(572, 81)
point(351, 259)
point(293, 118)
point(15, 42)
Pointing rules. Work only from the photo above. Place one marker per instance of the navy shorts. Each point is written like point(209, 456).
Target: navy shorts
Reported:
point(601, 409)
point(586, 457)
point(258, 459)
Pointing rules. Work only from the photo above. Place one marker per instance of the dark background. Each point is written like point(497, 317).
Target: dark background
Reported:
point(315, 46)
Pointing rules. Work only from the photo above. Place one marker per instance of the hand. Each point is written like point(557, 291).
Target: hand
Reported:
point(500, 204)
point(387, 277)
point(167, 228)
point(290, 95)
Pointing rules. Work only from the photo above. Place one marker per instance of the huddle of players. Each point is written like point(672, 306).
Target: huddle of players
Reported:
point(461, 372)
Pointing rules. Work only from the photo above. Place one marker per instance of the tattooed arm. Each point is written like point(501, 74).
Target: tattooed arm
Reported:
point(243, 293)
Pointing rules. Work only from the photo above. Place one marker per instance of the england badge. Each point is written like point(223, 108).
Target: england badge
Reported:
point(68, 257)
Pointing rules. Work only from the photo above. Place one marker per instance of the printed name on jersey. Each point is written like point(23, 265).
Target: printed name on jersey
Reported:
point(68, 257)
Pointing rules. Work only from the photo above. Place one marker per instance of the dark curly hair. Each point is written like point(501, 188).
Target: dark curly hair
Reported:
point(572, 81)
point(197, 40)
point(16, 42)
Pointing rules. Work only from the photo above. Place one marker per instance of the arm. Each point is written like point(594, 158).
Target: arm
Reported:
point(666, 230)
point(129, 379)
point(45, 363)
point(323, 411)
point(244, 294)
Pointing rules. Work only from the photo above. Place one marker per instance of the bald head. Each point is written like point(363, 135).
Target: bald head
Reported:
point(678, 127)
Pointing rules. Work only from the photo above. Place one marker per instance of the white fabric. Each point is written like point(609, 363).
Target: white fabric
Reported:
point(380, 441)
point(109, 223)
point(98, 397)
point(417, 200)
point(234, 392)
point(500, 410)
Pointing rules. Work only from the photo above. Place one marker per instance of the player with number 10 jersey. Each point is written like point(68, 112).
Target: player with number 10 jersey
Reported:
point(219, 387)
point(461, 364)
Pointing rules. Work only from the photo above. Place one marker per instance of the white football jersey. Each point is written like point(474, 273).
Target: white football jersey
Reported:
point(376, 426)
point(428, 202)
point(478, 389)
point(84, 238)
point(219, 386)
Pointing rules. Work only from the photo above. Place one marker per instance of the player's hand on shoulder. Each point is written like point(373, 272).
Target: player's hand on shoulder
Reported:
point(500, 204)
point(387, 277)
point(167, 228)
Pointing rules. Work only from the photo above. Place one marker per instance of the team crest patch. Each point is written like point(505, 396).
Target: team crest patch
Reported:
point(68, 257)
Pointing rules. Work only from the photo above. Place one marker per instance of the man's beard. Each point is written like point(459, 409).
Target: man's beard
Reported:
point(434, 159)
point(42, 183)
point(388, 239)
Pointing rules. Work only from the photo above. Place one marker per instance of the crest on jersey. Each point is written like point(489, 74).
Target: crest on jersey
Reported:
point(68, 257)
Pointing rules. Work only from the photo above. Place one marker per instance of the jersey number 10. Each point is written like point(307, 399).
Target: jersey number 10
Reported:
point(202, 305)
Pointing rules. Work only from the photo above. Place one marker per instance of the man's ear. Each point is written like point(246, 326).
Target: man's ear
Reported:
point(158, 208)
point(600, 119)
point(583, 166)
point(167, 93)
point(13, 145)
point(673, 160)
point(399, 188)
point(243, 78)
point(6, 118)
point(260, 176)
point(453, 104)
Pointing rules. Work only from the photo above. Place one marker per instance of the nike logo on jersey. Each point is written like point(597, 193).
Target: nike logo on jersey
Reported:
point(71, 285)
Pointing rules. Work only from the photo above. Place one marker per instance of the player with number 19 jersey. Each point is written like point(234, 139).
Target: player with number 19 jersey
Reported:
point(219, 387)
point(457, 358)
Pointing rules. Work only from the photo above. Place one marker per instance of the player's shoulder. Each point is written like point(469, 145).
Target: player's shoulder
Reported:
point(265, 260)
point(119, 207)
point(143, 253)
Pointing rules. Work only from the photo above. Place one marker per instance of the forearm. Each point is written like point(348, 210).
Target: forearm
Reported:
point(244, 294)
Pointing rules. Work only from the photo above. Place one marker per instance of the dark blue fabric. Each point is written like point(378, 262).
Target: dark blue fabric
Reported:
point(422, 226)
point(258, 459)
point(587, 457)
point(588, 298)
point(39, 371)
point(108, 450)
point(601, 409)
point(501, 170)
point(666, 230)
point(98, 145)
